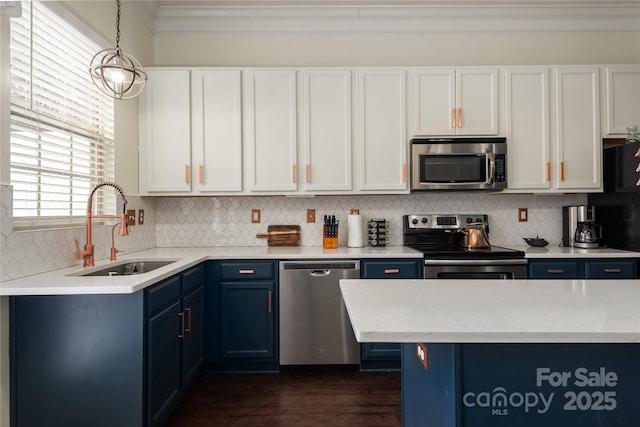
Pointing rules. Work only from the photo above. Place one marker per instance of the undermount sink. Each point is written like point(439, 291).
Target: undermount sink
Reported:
point(125, 268)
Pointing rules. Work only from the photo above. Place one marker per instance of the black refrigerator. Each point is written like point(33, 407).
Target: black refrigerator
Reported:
point(618, 208)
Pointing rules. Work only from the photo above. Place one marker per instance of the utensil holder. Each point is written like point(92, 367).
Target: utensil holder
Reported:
point(330, 237)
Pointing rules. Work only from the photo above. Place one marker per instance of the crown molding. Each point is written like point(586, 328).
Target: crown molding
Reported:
point(385, 16)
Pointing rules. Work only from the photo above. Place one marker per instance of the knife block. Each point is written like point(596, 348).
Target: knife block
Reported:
point(329, 242)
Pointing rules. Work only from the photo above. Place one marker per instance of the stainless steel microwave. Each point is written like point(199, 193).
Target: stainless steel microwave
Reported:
point(459, 164)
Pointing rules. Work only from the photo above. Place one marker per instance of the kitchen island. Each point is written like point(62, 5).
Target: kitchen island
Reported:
point(508, 353)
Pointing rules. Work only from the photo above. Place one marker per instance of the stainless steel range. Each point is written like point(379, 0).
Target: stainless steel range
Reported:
point(441, 238)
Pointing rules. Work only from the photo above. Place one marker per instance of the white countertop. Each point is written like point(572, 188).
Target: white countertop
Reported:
point(58, 282)
point(550, 251)
point(489, 311)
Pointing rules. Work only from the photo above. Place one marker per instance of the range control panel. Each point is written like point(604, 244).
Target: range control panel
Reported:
point(444, 221)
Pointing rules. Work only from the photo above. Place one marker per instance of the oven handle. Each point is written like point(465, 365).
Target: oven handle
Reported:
point(475, 262)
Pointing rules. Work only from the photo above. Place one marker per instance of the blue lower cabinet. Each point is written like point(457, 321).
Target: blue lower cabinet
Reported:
point(582, 268)
point(242, 323)
point(105, 360)
point(386, 356)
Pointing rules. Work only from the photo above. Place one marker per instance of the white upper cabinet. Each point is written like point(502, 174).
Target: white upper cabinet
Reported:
point(622, 101)
point(327, 130)
point(577, 129)
point(270, 130)
point(217, 130)
point(165, 132)
point(462, 101)
point(382, 124)
point(526, 103)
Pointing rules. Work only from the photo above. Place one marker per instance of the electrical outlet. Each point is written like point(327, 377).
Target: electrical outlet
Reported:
point(523, 215)
point(141, 217)
point(255, 216)
point(421, 354)
point(311, 215)
point(131, 217)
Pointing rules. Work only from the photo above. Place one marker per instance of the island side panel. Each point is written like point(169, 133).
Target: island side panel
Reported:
point(77, 360)
point(429, 396)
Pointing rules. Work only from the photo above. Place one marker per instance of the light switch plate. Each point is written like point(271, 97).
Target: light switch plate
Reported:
point(141, 217)
point(255, 216)
point(523, 214)
point(311, 215)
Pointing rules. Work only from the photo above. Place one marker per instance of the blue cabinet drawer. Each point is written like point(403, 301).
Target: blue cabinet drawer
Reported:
point(162, 294)
point(394, 269)
point(554, 270)
point(191, 279)
point(247, 270)
point(623, 269)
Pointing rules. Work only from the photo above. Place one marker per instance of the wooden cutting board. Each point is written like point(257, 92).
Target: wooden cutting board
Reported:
point(281, 235)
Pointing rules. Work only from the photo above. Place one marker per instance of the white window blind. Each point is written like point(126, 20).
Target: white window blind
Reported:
point(62, 127)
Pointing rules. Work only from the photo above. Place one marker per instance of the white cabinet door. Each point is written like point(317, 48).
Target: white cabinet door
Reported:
point(327, 129)
point(382, 141)
point(434, 102)
point(476, 101)
point(527, 128)
point(165, 132)
point(579, 145)
point(622, 101)
point(217, 130)
point(461, 101)
point(270, 113)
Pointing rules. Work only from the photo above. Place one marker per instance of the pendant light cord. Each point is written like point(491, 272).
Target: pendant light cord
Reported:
point(118, 25)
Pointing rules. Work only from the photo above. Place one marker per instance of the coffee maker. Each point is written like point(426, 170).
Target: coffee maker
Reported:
point(579, 228)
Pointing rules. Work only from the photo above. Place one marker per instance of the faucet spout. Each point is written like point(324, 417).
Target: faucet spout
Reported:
point(87, 254)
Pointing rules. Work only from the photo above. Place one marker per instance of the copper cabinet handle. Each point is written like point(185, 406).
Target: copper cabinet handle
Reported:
point(392, 271)
point(246, 271)
point(269, 306)
point(186, 174)
point(308, 173)
point(200, 174)
point(612, 270)
point(548, 171)
point(453, 118)
point(561, 171)
point(188, 328)
point(181, 335)
point(404, 172)
point(557, 271)
point(294, 177)
point(459, 117)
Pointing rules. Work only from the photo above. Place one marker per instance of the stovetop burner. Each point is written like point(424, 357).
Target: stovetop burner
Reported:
point(440, 237)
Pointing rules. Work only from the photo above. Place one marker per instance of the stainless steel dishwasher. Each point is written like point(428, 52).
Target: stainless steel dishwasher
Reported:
point(314, 326)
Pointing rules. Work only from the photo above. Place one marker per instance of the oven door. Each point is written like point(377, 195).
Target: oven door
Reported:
point(504, 269)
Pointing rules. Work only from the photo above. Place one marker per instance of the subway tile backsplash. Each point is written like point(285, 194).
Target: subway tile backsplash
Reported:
point(226, 221)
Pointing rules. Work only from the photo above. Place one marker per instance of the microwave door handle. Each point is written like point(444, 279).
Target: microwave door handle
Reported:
point(491, 170)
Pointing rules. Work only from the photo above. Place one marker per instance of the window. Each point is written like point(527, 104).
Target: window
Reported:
point(62, 127)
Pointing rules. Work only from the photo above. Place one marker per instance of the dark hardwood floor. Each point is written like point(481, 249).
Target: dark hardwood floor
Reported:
point(304, 399)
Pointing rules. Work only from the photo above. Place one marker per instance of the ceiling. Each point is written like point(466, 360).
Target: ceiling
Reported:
point(375, 16)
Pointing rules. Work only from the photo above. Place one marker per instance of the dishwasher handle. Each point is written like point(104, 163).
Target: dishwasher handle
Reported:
point(319, 273)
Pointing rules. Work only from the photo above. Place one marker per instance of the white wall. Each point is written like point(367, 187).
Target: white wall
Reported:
point(555, 48)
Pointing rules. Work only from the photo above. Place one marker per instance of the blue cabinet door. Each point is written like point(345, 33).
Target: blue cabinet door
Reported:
point(163, 363)
point(610, 269)
point(386, 356)
point(193, 341)
point(554, 269)
point(247, 319)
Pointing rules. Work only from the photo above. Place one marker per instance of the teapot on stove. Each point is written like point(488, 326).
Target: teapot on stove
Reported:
point(475, 237)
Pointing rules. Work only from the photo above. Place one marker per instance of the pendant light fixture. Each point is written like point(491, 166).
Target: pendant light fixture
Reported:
point(117, 73)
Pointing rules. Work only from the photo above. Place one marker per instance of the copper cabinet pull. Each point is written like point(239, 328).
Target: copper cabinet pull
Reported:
point(392, 271)
point(308, 173)
point(459, 117)
point(200, 174)
point(186, 174)
point(561, 171)
point(294, 177)
point(612, 270)
point(548, 171)
point(558, 271)
point(246, 271)
point(404, 172)
point(453, 118)
point(181, 335)
point(269, 306)
point(188, 328)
